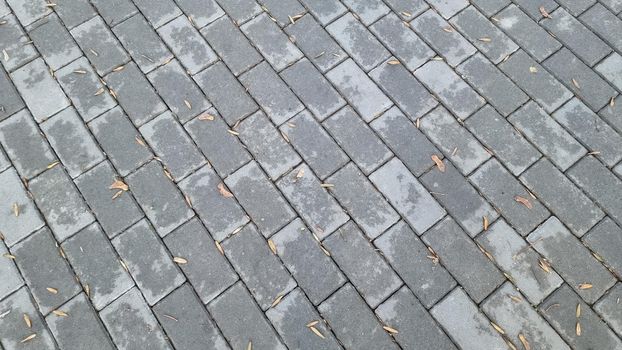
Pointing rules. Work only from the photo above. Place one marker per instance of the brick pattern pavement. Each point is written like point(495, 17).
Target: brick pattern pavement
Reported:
point(310, 174)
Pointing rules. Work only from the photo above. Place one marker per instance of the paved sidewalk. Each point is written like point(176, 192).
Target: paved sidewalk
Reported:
point(311, 174)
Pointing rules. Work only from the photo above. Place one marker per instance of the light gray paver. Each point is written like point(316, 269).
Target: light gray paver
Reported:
point(240, 10)
point(603, 22)
point(28, 11)
point(324, 10)
point(610, 69)
point(100, 45)
point(159, 13)
point(367, 12)
point(53, 41)
point(16, 44)
point(202, 12)
point(281, 10)
point(114, 12)
point(12, 278)
point(14, 228)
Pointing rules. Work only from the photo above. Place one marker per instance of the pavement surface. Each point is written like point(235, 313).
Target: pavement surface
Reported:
point(311, 174)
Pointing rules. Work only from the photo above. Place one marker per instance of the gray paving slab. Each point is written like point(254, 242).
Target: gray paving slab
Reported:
point(15, 228)
point(73, 13)
point(608, 308)
point(240, 10)
point(16, 44)
point(601, 21)
point(610, 69)
point(604, 240)
point(53, 41)
point(324, 11)
point(281, 10)
point(114, 12)
point(100, 45)
point(10, 101)
point(159, 13)
point(201, 12)
point(12, 278)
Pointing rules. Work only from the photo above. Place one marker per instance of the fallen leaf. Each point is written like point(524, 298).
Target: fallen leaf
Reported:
point(170, 317)
point(312, 323)
point(219, 247)
point(180, 261)
point(497, 328)
point(578, 312)
point(576, 83)
point(249, 346)
point(448, 29)
point(277, 300)
point(578, 329)
point(6, 55)
point(140, 141)
point(612, 102)
point(390, 330)
point(52, 290)
point(272, 246)
point(317, 332)
point(28, 338)
point(206, 116)
point(485, 223)
point(53, 164)
point(584, 286)
point(60, 313)
point(15, 208)
point(439, 163)
point(524, 341)
point(524, 201)
point(393, 62)
point(27, 321)
point(187, 103)
point(223, 191)
point(485, 39)
point(406, 14)
point(300, 173)
point(118, 69)
point(533, 69)
point(544, 265)
point(544, 13)
point(119, 185)
point(327, 185)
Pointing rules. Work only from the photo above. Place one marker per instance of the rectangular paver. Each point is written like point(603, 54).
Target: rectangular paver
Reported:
point(14, 228)
point(12, 280)
point(16, 44)
point(606, 239)
point(325, 10)
point(115, 12)
point(13, 329)
point(53, 41)
point(260, 198)
point(281, 10)
point(189, 47)
point(164, 11)
point(97, 266)
point(572, 260)
point(240, 10)
point(148, 262)
point(407, 195)
point(100, 45)
point(610, 69)
point(608, 308)
point(603, 22)
point(10, 100)
point(305, 258)
point(202, 12)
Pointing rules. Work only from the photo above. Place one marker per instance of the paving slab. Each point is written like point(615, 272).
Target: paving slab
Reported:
point(16, 44)
point(100, 45)
point(14, 228)
point(53, 41)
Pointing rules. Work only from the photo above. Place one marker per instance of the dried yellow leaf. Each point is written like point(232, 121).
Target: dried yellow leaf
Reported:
point(10, 256)
point(524, 341)
point(533, 69)
point(578, 329)
point(277, 300)
point(390, 329)
point(585, 286)
point(485, 223)
point(180, 260)
point(15, 208)
point(575, 83)
point(52, 290)
point(187, 103)
point(27, 321)
point(250, 345)
point(578, 312)
point(118, 69)
point(317, 332)
point(312, 323)
point(544, 265)
point(28, 338)
point(544, 13)
point(119, 185)
point(223, 191)
point(300, 173)
point(393, 62)
point(485, 39)
point(219, 247)
point(439, 163)
point(497, 328)
point(448, 29)
point(53, 164)
point(206, 116)
point(60, 313)
point(272, 246)
point(524, 201)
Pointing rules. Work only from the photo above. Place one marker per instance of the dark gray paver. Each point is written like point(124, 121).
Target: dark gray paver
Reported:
point(315, 42)
point(407, 195)
point(580, 79)
point(517, 318)
point(100, 45)
point(362, 201)
point(120, 140)
point(201, 12)
point(604, 23)
point(222, 148)
point(24, 145)
point(562, 197)
point(315, 205)
point(443, 38)
point(404, 89)
point(609, 308)
point(158, 14)
point(527, 33)
point(260, 198)
point(606, 240)
point(574, 35)
point(159, 198)
point(187, 44)
point(356, 256)
point(451, 90)
point(578, 6)
point(225, 92)
point(483, 34)
point(13, 193)
point(85, 90)
point(190, 327)
point(343, 307)
point(599, 184)
point(594, 332)
point(359, 90)
point(410, 258)
point(305, 258)
point(60, 203)
point(509, 146)
point(114, 12)
point(207, 270)
point(40, 91)
point(74, 12)
point(358, 41)
point(532, 7)
point(454, 140)
point(505, 192)
point(231, 45)
point(53, 41)
point(357, 139)
point(519, 261)
point(402, 41)
point(610, 69)
point(571, 260)
point(221, 215)
point(81, 329)
point(468, 326)
point(538, 83)
point(405, 140)
point(135, 95)
point(10, 100)
point(590, 129)
point(271, 42)
point(491, 83)
point(72, 142)
point(278, 102)
point(281, 10)
point(13, 329)
point(97, 266)
point(267, 145)
point(546, 134)
point(459, 198)
point(242, 322)
point(142, 43)
point(12, 280)
point(131, 323)
point(460, 255)
point(416, 328)
point(240, 10)
point(289, 318)
point(324, 10)
point(16, 44)
point(172, 145)
point(43, 267)
point(148, 262)
point(313, 89)
point(314, 144)
point(182, 96)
